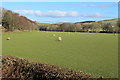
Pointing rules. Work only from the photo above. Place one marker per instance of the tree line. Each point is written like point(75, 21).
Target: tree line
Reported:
point(82, 27)
point(13, 21)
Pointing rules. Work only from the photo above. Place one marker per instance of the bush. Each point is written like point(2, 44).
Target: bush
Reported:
point(22, 69)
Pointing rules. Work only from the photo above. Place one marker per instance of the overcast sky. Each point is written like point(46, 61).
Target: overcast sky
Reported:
point(55, 12)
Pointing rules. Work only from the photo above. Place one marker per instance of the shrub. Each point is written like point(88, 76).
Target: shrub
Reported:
point(22, 69)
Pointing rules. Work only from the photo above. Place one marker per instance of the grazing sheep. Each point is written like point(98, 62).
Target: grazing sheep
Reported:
point(8, 38)
point(59, 38)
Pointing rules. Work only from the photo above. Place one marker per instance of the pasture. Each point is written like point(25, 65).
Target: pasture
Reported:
point(92, 53)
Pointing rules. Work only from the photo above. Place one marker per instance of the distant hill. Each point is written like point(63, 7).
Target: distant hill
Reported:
point(104, 26)
point(102, 21)
point(43, 23)
point(109, 21)
point(85, 22)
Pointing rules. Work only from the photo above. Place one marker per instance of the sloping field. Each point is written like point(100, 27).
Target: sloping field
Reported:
point(92, 53)
point(110, 21)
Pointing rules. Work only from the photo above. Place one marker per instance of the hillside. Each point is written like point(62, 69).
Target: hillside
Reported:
point(43, 23)
point(105, 26)
point(109, 21)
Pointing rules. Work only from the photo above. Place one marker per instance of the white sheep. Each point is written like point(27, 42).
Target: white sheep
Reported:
point(8, 38)
point(59, 38)
point(53, 34)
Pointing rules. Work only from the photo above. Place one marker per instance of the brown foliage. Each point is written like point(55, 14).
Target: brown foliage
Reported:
point(22, 69)
point(13, 21)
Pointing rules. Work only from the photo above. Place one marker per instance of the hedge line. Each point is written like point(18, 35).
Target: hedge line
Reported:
point(22, 69)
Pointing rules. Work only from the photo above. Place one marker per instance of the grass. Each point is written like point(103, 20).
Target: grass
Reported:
point(43, 23)
point(113, 21)
point(93, 53)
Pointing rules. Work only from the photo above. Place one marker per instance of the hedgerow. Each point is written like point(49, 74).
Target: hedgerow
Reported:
point(21, 69)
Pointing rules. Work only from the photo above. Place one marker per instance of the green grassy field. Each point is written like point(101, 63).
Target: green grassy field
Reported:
point(93, 53)
point(110, 21)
